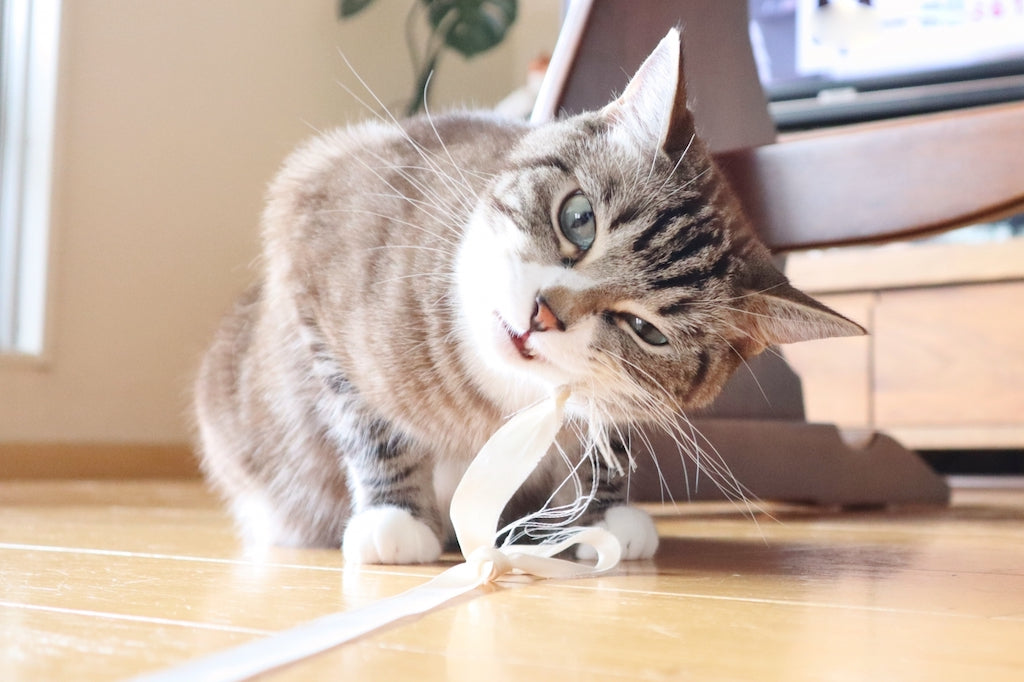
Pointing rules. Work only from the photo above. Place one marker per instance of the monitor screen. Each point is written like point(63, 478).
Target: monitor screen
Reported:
point(824, 62)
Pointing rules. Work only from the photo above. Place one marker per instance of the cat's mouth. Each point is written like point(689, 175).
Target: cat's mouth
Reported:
point(518, 340)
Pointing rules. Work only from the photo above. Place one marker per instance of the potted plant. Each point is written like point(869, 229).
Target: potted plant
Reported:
point(469, 27)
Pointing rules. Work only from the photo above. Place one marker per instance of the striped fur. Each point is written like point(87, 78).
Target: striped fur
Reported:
point(395, 324)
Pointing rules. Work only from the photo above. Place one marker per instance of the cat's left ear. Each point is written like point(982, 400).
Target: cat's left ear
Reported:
point(776, 312)
point(653, 106)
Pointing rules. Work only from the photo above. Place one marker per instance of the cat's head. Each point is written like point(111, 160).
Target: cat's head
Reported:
point(610, 255)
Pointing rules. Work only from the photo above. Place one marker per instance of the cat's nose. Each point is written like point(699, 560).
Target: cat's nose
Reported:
point(544, 318)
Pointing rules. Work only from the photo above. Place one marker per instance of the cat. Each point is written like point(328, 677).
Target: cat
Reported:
point(423, 280)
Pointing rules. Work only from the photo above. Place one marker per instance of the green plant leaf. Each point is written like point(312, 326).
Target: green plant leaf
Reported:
point(347, 8)
point(471, 26)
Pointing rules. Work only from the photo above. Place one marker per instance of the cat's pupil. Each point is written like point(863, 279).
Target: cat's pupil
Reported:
point(576, 221)
point(645, 330)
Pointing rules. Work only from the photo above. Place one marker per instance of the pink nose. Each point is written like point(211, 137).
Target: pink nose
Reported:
point(544, 318)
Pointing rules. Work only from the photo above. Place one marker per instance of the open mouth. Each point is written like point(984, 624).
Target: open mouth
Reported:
point(518, 340)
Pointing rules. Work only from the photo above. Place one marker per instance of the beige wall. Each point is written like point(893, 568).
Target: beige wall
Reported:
point(172, 117)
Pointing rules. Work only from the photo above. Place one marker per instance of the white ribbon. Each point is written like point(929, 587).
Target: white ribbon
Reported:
point(494, 475)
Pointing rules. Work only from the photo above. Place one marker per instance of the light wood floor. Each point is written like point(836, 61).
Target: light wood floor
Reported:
point(100, 581)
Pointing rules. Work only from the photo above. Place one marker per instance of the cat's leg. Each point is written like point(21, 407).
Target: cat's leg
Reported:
point(632, 527)
point(606, 508)
point(395, 518)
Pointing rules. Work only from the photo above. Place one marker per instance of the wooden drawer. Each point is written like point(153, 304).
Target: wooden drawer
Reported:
point(944, 365)
point(950, 355)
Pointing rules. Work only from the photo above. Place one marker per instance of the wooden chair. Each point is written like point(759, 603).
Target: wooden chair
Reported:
point(862, 184)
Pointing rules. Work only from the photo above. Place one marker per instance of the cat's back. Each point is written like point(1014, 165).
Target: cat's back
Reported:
point(443, 157)
point(345, 195)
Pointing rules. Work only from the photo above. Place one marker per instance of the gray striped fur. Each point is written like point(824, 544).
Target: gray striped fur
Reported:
point(376, 354)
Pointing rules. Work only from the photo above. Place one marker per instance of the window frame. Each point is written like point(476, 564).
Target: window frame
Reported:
point(28, 88)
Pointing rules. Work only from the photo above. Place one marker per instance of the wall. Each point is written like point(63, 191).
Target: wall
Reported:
point(172, 117)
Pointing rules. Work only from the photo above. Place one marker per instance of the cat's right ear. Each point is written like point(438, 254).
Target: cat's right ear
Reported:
point(652, 109)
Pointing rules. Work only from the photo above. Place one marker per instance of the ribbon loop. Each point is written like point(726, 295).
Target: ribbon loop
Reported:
point(493, 560)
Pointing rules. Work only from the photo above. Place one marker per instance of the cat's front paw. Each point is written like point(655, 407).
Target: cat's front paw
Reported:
point(389, 535)
point(632, 527)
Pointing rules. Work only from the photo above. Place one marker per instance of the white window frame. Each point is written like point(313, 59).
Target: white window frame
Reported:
point(28, 85)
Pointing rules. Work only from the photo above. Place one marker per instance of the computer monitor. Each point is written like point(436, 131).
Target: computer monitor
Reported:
point(828, 62)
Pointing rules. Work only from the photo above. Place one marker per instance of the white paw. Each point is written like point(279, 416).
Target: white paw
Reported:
point(632, 527)
point(388, 535)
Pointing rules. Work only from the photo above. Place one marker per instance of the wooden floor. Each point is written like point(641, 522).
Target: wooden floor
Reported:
point(100, 581)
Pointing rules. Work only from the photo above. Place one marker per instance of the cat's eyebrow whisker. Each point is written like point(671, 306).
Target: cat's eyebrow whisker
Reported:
point(312, 127)
point(424, 206)
point(440, 141)
point(459, 189)
point(416, 247)
point(682, 156)
point(443, 276)
point(387, 115)
point(435, 199)
point(351, 93)
point(390, 186)
point(686, 185)
point(392, 219)
point(464, 199)
point(423, 187)
point(423, 153)
point(654, 161)
point(438, 172)
point(744, 311)
point(480, 174)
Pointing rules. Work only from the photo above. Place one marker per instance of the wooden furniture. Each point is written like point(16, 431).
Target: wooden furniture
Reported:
point(944, 365)
point(884, 181)
point(862, 184)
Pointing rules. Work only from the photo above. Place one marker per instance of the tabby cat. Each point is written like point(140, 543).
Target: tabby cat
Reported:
point(423, 280)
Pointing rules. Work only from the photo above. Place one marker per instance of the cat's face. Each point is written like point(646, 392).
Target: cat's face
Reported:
point(611, 256)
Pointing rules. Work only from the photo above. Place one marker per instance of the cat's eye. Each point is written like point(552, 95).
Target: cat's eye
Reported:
point(576, 221)
point(644, 329)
